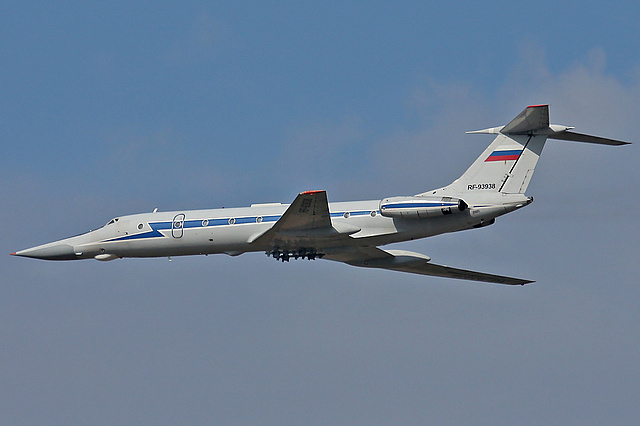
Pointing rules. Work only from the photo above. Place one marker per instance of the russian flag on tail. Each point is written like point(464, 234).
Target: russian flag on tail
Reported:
point(504, 155)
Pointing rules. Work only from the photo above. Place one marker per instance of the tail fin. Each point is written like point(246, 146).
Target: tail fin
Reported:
point(507, 165)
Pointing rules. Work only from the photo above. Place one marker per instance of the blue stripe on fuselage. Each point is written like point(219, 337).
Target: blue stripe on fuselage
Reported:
point(154, 233)
point(156, 227)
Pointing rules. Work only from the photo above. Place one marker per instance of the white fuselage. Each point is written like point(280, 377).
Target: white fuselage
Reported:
point(232, 230)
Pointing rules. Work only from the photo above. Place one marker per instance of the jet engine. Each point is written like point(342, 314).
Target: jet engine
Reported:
point(421, 207)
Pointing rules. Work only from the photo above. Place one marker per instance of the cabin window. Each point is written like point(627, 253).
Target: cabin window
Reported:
point(232, 221)
point(140, 226)
point(373, 213)
point(346, 215)
point(259, 219)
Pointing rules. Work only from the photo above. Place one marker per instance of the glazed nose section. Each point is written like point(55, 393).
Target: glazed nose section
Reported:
point(49, 252)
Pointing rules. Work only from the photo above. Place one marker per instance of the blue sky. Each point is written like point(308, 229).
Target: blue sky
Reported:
point(121, 108)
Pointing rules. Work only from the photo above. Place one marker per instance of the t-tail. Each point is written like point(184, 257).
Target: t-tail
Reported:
point(507, 165)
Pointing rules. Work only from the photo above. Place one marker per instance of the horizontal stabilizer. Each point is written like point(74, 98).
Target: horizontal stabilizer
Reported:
point(580, 137)
point(534, 120)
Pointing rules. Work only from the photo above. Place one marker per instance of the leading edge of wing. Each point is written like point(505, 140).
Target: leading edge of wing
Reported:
point(415, 263)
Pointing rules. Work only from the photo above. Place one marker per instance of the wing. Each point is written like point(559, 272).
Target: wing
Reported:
point(310, 210)
point(415, 263)
point(306, 223)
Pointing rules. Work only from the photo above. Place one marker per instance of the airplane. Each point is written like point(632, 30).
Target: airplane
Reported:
point(350, 232)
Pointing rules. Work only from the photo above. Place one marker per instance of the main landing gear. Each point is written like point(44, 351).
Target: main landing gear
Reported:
point(285, 255)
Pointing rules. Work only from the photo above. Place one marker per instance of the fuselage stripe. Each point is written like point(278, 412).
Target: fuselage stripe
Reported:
point(156, 227)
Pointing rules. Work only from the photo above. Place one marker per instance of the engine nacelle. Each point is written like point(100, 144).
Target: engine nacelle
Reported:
point(421, 207)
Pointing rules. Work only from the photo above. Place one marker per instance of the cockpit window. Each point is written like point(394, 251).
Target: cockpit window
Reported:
point(113, 221)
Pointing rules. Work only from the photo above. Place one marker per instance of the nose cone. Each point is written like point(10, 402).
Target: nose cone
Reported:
point(53, 251)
